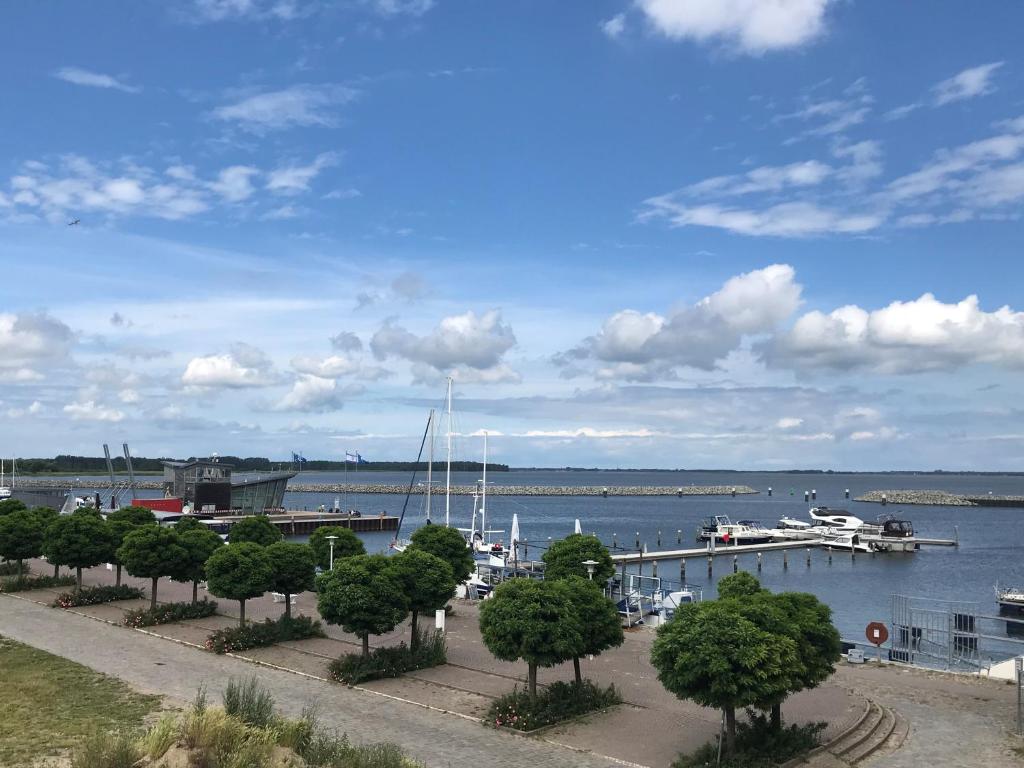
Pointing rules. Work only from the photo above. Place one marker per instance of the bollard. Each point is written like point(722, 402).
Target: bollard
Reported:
point(654, 568)
point(807, 496)
point(814, 494)
point(769, 490)
point(679, 537)
point(883, 500)
point(847, 493)
point(709, 565)
point(679, 493)
point(734, 493)
point(604, 492)
point(853, 552)
point(682, 570)
point(956, 534)
point(659, 538)
point(808, 557)
point(830, 557)
point(735, 563)
point(615, 541)
point(758, 562)
point(638, 539)
point(785, 560)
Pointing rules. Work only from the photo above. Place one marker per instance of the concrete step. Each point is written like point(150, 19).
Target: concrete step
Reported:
point(862, 733)
point(879, 736)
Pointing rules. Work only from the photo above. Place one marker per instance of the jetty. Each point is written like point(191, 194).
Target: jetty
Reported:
point(718, 551)
point(940, 498)
point(303, 523)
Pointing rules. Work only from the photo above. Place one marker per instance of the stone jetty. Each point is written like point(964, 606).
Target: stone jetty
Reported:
point(941, 498)
point(458, 490)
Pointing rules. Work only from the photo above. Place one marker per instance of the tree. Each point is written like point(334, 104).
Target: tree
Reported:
point(531, 620)
point(239, 572)
point(427, 581)
point(189, 523)
point(152, 551)
point(448, 544)
point(21, 536)
point(122, 522)
point(600, 624)
point(11, 505)
point(739, 585)
point(77, 541)
point(294, 570)
point(347, 545)
point(135, 515)
point(45, 516)
point(566, 557)
point(256, 529)
point(710, 653)
point(363, 595)
point(199, 543)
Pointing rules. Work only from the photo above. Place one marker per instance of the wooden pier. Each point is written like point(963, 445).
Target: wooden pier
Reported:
point(719, 550)
point(304, 523)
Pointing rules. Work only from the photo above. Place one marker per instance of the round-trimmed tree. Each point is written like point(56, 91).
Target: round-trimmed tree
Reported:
point(189, 523)
point(200, 543)
point(449, 545)
point(21, 537)
point(362, 595)
point(294, 570)
point(427, 581)
point(346, 545)
point(565, 558)
point(599, 621)
point(531, 620)
point(122, 522)
point(135, 515)
point(255, 529)
point(739, 585)
point(77, 541)
point(152, 551)
point(239, 572)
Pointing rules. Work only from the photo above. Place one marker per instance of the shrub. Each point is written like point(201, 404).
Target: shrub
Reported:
point(97, 595)
point(249, 701)
point(233, 639)
point(12, 568)
point(23, 583)
point(107, 750)
point(559, 701)
point(354, 668)
point(758, 745)
point(169, 613)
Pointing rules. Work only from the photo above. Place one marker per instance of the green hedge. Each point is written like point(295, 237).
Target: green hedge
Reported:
point(354, 668)
point(23, 583)
point(758, 745)
point(168, 613)
point(97, 595)
point(559, 701)
point(10, 568)
point(266, 633)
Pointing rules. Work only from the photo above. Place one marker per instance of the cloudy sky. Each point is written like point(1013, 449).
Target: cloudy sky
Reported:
point(669, 233)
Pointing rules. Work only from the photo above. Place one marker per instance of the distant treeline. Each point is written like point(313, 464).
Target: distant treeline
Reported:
point(82, 464)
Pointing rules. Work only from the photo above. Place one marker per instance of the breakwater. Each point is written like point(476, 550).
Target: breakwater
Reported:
point(457, 490)
point(940, 498)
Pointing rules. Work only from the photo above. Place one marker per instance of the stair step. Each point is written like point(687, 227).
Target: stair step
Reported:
point(879, 736)
point(900, 733)
point(841, 747)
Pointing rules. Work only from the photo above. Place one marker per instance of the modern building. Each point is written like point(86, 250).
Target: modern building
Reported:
point(208, 486)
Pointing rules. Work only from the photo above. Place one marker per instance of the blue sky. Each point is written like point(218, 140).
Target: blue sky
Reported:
point(671, 233)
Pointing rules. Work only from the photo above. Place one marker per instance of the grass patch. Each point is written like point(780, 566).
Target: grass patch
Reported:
point(559, 701)
point(757, 745)
point(24, 583)
point(168, 613)
point(50, 704)
point(354, 668)
point(265, 633)
point(96, 596)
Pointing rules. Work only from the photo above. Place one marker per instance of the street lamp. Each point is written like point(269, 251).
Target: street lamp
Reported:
point(330, 541)
point(590, 565)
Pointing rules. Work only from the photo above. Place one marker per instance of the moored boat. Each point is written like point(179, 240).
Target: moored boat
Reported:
point(723, 531)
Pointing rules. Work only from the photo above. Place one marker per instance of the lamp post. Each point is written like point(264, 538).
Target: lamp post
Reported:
point(330, 541)
point(591, 566)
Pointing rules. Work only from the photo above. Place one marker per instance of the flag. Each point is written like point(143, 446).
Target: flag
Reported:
point(352, 458)
point(297, 458)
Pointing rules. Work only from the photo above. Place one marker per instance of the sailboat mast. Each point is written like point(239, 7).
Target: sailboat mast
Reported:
point(448, 470)
point(430, 463)
point(483, 501)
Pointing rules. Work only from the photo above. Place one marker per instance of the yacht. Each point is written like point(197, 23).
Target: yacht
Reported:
point(724, 531)
point(788, 529)
point(890, 535)
point(844, 542)
point(1010, 599)
point(838, 519)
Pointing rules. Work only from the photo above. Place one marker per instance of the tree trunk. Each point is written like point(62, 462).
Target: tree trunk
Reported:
point(576, 668)
point(56, 570)
point(117, 583)
point(21, 567)
point(241, 613)
point(366, 646)
point(78, 580)
point(414, 643)
point(776, 717)
point(152, 597)
point(287, 605)
point(533, 680)
point(730, 730)
point(195, 592)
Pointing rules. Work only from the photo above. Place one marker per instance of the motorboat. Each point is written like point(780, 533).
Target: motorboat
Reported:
point(789, 529)
point(890, 535)
point(673, 601)
point(846, 542)
point(724, 531)
point(838, 519)
point(5, 490)
point(1011, 600)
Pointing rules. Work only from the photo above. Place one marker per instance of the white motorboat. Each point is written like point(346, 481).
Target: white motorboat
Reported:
point(845, 542)
point(724, 531)
point(788, 529)
point(5, 490)
point(838, 519)
point(890, 535)
point(1010, 599)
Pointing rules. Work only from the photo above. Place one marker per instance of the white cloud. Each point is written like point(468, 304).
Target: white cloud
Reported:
point(297, 105)
point(244, 366)
point(31, 338)
point(924, 334)
point(90, 410)
point(128, 396)
point(789, 422)
point(471, 340)
point(293, 179)
point(807, 173)
point(346, 341)
point(234, 184)
point(312, 394)
point(326, 367)
point(401, 7)
point(247, 10)
point(615, 26)
point(591, 433)
point(976, 81)
point(796, 219)
point(751, 26)
point(80, 76)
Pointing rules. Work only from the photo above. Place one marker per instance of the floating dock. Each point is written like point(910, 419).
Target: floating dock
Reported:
point(722, 549)
point(302, 523)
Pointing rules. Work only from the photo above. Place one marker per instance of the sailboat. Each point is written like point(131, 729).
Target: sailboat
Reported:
point(5, 490)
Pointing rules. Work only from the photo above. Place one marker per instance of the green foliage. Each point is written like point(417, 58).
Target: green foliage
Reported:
point(758, 745)
point(107, 750)
point(558, 702)
point(78, 541)
point(21, 536)
point(599, 620)
point(13, 569)
point(447, 544)
point(347, 545)
point(151, 551)
point(190, 523)
point(199, 545)
point(431, 650)
point(739, 585)
point(168, 613)
point(11, 505)
point(256, 529)
point(25, 583)
point(249, 701)
point(293, 568)
point(239, 572)
point(427, 581)
point(96, 596)
point(268, 632)
point(134, 515)
point(363, 595)
point(565, 558)
point(809, 623)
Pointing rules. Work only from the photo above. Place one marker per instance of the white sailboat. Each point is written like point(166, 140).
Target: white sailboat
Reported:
point(5, 490)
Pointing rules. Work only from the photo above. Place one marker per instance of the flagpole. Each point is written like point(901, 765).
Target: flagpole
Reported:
point(448, 470)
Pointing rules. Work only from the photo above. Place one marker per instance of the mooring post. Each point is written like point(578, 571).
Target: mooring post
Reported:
point(659, 538)
point(615, 541)
point(808, 557)
point(807, 496)
point(814, 495)
point(526, 548)
point(830, 557)
point(956, 534)
point(710, 558)
point(682, 570)
point(734, 493)
point(853, 552)
point(735, 563)
point(638, 539)
point(769, 490)
point(785, 560)
point(654, 568)
point(679, 537)
point(758, 562)
point(847, 493)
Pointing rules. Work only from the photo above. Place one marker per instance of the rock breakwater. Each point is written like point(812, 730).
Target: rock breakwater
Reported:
point(937, 498)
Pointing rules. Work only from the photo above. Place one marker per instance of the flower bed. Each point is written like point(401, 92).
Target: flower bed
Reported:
point(170, 612)
point(266, 633)
point(354, 668)
point(22, 583)
point(96, 595)
point(559, 701)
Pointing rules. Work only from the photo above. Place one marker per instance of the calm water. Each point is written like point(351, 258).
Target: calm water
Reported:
point(991, 539)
